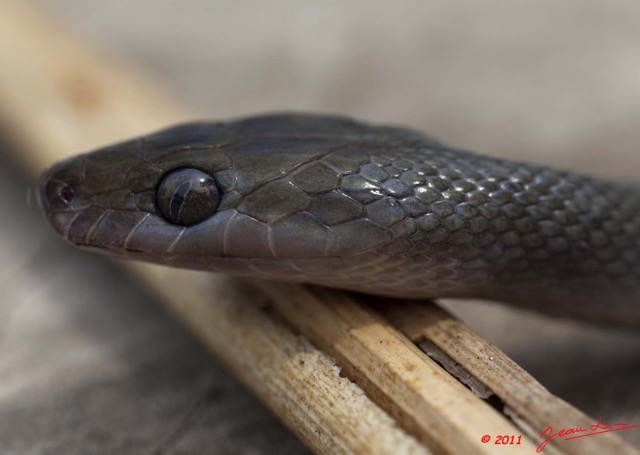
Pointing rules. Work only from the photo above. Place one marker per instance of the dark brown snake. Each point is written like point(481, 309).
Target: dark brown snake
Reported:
point(380, 210)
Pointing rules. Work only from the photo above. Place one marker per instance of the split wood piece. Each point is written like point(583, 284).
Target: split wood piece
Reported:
point(488, 370)
point(427, 401)
point(301, 384)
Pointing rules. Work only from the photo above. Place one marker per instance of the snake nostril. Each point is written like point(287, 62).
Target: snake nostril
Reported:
point(66, 193)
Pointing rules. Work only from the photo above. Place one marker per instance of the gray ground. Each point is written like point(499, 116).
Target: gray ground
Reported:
point(91, 364)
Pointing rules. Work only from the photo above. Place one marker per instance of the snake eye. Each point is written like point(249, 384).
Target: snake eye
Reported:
point(187, 196)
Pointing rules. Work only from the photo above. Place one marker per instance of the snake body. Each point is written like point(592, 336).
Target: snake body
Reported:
point(381, 210)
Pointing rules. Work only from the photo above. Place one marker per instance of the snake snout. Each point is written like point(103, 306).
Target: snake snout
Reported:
point(59, 198)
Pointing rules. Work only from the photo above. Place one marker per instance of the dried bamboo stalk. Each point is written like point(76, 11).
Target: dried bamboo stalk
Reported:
point(530, 406)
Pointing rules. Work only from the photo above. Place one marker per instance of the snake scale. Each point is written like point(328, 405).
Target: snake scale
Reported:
point(376, 209)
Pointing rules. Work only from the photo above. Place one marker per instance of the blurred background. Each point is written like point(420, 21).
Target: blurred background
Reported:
point(87, 357)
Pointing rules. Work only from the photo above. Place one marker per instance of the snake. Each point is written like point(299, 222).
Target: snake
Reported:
point(380, 210)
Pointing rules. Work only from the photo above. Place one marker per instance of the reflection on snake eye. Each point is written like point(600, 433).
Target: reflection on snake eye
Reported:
point(187, 196)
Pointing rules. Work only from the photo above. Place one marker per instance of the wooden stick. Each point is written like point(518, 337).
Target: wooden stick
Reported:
point(530, 406)
point(59, 96)
point(424, 398)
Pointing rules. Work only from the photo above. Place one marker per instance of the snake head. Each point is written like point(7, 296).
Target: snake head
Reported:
point(256, 193)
